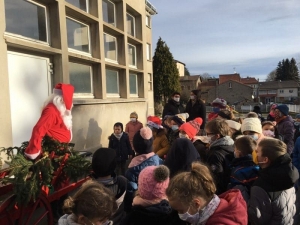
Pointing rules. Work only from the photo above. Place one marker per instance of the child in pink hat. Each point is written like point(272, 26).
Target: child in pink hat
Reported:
point(151, 206)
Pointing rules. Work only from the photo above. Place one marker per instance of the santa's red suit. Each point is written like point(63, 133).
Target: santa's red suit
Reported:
point(51, 123)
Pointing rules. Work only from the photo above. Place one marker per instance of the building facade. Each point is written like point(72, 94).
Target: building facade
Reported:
point(180, 66)
point(102, 47)
point(279, 91)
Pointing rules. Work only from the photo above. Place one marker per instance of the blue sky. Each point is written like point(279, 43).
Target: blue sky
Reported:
point(215, 36)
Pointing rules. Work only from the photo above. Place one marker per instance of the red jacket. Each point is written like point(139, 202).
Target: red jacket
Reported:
point(50, 124)
point(232, 210)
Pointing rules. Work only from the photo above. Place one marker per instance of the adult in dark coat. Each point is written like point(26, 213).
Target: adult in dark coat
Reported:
point(181, 155)
point(173, 106)
point(196, 108)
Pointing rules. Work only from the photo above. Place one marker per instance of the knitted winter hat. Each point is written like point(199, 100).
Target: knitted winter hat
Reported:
point(192, 127)
point(284, 109)
point(298, 116)
point(133, 115)
point(153, 182)
point(154, 121)
point(104, 162)
point(180, 118)
point(143, 141)
point(234, 125)
point(251, 124)
point(219, 102)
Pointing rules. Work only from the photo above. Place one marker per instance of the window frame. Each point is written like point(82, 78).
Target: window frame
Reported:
point(113, 95)
point(116, 43)
point(230, 85)
point(135, 56)
point(136, 85)
point(148, 52)
point(150, 81)
point(115, 15)
point(85, 95)
point(134, 32)
point(89, 38)
point(148, 21)
point(87, 6)
point(47, 19)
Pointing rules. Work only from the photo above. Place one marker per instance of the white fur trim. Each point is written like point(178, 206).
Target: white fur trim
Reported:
point(33, 156)
point(57, 91)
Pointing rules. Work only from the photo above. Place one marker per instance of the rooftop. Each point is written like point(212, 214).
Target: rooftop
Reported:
point(278, 84)
point(226, 77)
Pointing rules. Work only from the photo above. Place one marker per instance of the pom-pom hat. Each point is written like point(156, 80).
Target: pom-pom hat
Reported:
point(192, 127)
point(219, 102)
point(234, 125)
point(153, 182)
point(143, 141)
point(66, 91)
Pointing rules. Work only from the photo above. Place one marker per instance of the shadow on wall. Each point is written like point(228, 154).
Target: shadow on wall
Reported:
point(93, 137)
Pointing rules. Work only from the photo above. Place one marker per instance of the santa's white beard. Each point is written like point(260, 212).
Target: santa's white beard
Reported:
point(66, 115)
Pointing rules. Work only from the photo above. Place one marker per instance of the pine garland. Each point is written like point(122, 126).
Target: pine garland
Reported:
point(28, 177)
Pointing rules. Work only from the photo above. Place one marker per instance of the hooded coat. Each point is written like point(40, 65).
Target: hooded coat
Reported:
point(286, 131)
point(219, 157)
point(272, 196)
point(181, 155)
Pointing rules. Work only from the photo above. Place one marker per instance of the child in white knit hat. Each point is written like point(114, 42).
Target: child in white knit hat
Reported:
point(252, 127)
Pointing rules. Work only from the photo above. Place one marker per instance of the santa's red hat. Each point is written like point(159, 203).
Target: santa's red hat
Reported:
point(154, 121)
point(66, 91)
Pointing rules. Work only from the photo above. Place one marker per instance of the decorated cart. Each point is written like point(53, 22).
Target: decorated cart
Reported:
point(28, 188)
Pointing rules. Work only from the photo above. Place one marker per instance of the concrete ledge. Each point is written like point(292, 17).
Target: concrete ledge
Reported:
point(106, 101)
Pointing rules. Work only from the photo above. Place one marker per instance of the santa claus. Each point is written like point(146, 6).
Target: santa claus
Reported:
point(55, 121)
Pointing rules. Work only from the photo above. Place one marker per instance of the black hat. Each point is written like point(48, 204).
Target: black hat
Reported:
point(143, 141)
point(104, 162)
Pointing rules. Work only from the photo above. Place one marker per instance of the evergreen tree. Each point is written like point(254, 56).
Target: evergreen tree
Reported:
point(165, 72)
point(287, 70)
point(186, 72)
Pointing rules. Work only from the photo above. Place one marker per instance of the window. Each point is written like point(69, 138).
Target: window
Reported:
point(133, 85)
point(149, 82)
point(281, 91)
point(148, 52)
point(81, 4)
point(254, 93)
point(110, 48)
point(108, 12)
point(132, 55)
point(26, 18)
point(81, 79)
point(148, 21)
point(112, 83)
point(130, 25)
point(272, 92)
point(291, 91)
point(230, 85)
point(78, 35)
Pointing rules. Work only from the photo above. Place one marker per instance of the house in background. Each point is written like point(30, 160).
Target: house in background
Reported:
point(205, 86)
point(252, 82)
point(102, 47)
point(180, 67)
point(189, 83)
point(278, 91)
point(232, 91)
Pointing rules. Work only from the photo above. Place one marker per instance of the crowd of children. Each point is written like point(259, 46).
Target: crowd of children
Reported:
point(242, 171)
